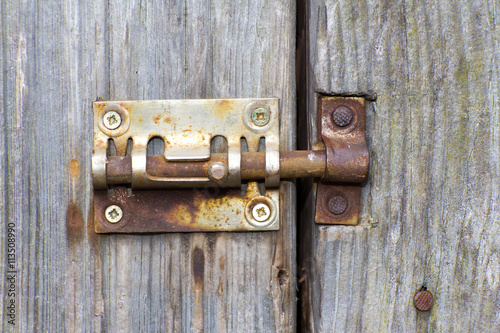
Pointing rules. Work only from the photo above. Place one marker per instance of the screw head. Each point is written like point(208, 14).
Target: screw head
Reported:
point(342, 116)
point(112, 120)
point(423, 300)
point(261, 212)
point(113, 214)
point(217, 171)
point(337, 204)
point(261, 117)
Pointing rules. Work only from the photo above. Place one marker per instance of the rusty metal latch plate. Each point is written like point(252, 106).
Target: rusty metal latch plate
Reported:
point(187, 204)
point(342, 122)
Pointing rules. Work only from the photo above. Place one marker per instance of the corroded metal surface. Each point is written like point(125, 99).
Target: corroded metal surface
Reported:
point(342, 129)
point(185, 210)
point(342, 116)
point(423, 300)
point(187, 128)
point(337, 204)
point(324, 196)
point(293, 164)
point(187, 201)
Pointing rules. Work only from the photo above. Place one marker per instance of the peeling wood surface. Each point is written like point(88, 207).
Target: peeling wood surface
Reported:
point(57, 58)
point(430, 211)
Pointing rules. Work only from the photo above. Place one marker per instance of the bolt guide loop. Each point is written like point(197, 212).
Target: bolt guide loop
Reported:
point(342, 127)
point(195, 184)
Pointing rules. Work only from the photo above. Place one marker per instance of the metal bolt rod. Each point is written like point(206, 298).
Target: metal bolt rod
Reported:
point(293, 164)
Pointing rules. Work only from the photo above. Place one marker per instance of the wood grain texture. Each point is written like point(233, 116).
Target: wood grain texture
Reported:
point(430, 213)
point(58, 57)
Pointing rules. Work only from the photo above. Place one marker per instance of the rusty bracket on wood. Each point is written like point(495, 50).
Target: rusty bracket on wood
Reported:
point(194, 184)
point(342, 127)
point(182, 198)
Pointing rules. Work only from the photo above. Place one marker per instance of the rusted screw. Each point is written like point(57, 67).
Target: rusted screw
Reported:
point(342, 116)
point(113, 214)
point(337, 204)
point(112, 120)
point(217, 171)
point(260, 117)
point(423, 300)
point(261, 212)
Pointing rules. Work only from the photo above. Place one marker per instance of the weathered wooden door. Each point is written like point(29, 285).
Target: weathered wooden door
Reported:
point(60, 56)
point(428, 213)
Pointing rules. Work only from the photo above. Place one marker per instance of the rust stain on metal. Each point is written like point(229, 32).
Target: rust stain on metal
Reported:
point(222, 107)
point(347, 152)
point(351, 194)
point(423, 300)
point(257, 201)
point(153, 211)
point(157, 118)
point(342, 116)
point(146, 208)
point(127, 106)
point(293, 164)
point(225, 103)
point(337, 204)
point(119, 170)
point(342, 126)
point(100, 105)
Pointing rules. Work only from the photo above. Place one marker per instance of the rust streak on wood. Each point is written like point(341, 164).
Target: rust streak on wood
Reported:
point(198, 259)
point(74, 168)
point(74, 223)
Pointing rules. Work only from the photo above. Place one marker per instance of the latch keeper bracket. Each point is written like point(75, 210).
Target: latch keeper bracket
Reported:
point(342, 124)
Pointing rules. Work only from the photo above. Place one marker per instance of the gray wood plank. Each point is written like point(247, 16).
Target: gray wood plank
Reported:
point(203, 50)
point(429, 214)
point(52, 70)
point(58, 57)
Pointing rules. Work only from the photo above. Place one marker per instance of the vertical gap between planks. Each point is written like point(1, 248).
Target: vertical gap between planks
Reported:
point(303, 186)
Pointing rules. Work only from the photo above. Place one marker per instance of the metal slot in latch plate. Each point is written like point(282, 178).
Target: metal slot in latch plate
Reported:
point(178, 203)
